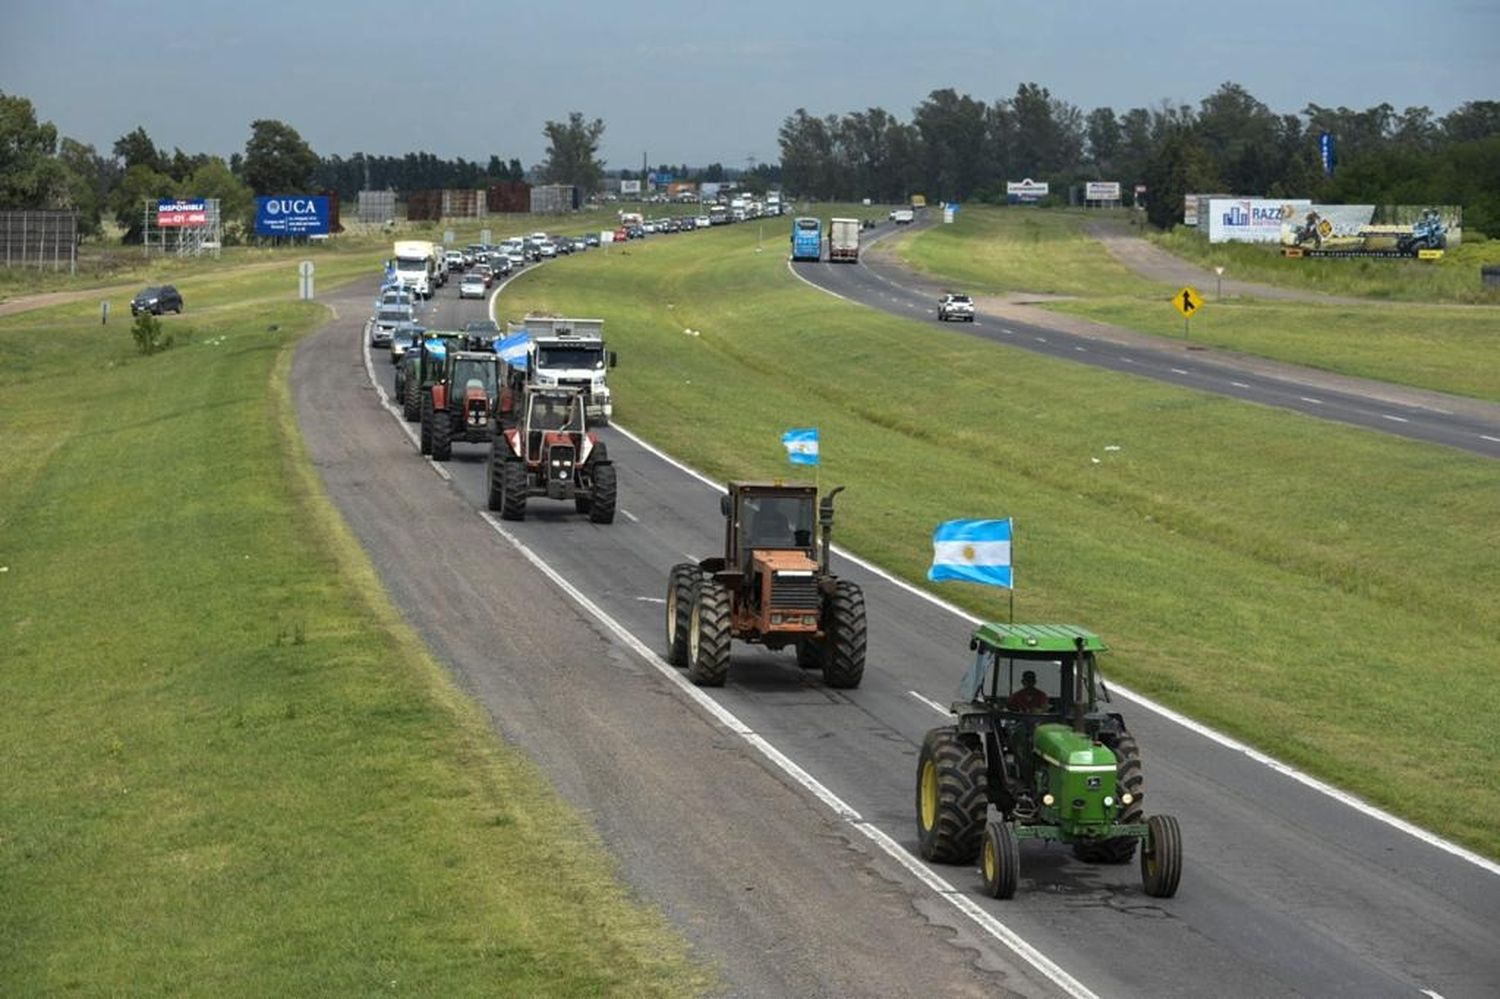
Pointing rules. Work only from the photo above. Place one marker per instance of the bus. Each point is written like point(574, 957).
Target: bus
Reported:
point(807, 239)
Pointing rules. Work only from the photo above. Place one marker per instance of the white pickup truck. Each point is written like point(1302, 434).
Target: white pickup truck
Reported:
point(902, 216)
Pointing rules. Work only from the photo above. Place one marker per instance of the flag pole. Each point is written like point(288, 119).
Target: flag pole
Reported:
point(1012, 570)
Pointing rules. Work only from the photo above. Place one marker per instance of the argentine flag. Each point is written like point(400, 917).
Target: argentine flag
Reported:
point(972, 551)
point(514, 348)
point(390, 274)
point(801, 445)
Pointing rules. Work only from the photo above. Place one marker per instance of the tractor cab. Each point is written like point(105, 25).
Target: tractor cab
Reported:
point(768, 516)
point(552, 416)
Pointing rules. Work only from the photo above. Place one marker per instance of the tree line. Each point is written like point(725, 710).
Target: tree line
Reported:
point(955, 147)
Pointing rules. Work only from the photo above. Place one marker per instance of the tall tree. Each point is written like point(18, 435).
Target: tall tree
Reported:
point(1104, 137)
point(953, 129)
point(277, 159)
point(573, 152)
point(136, 149)
point(30, 176)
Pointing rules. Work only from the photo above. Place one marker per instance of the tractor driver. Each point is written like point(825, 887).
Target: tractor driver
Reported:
point(1029, 697)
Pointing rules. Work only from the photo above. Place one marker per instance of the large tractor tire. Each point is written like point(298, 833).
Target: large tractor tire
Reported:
point(680, 582)
point(709, 634)
point(1161, 857)
point(494, 472)
point(844, 660)
point(442, 435)
point(602, 500)
point(1128, 779)
point(1000, 860)
point(425, 437)
point(951, 797)
point(513, 489)
point(410, 407)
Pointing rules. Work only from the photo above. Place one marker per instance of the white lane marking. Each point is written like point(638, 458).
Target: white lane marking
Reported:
point(1007, 329)
point(1197, 728)
point(1308, 398)
point(1180, 371)
point(1394, 419)
point(826, 291)
point(1040, 339)
point(442, 472)
point(1081, 350)
point(652, 600)
point(1239, 385)
point(934, 705)
point(842, 809)
point(1487, 437)
point(1128, 360)
point(1432, 994)
point(630, 516)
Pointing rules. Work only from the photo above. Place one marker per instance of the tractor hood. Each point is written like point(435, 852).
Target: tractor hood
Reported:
point(785, 561)
point(1060, 746)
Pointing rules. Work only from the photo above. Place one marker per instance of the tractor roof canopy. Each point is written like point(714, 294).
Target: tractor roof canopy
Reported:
point(1051, 639)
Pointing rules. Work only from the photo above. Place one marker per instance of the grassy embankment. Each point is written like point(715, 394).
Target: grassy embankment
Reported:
point(1445, 349)
point(1323, 592)
point(229, 768)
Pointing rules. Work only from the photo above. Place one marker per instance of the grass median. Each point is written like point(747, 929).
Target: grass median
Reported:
point(1323, 592)
point(229, 768)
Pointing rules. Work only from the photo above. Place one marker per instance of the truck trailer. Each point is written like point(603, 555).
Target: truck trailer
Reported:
point(843, 241)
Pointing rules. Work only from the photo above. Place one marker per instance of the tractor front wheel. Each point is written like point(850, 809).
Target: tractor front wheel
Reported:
point(844, 614)
point(679, 611)
point(602, 499)
point(1128, 780)
point(425, 438)
point(513, 489)
point(1000, 860)
point(708, 634)
point(1161, 857)
point(442, 435)
point(951, 797)
point(494, 472)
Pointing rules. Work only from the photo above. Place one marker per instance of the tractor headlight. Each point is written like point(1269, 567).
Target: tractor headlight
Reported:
point(1108, 801)
point(775, 618)
point(1048, 800)
point(1127, 798)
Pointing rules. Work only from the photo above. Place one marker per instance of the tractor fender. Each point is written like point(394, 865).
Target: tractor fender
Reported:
point(440, 396)
point(513, 441)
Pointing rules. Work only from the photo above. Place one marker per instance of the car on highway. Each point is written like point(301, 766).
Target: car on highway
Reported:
point(385, 320)
point(546, 249)
point(472, 286)
point(487, 272)
point(395, 296)
point(702, 221)
point(954, 306)
point(592, 239)
point(517, 259)
point(403, 338)
point(156, 300)
point(457, 259)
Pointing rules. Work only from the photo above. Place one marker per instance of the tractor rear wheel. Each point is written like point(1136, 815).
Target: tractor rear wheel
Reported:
point(409, 407)
point(602, 499)
point(844, 660)
point(442, 435)
point(424, 439)
point(679, 610)
point(1161, 857)
point(951, 797)
point(494, 468)
point(708, 634)
point(513, 489)
point(1000, 860)
point(1128, 780)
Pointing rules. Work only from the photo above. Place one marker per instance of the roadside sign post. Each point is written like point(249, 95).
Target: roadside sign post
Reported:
point(103, 312)
point(305, 287)
point(486, 237)
point(1188, 302)
point(1219, 291)
point(447, 237)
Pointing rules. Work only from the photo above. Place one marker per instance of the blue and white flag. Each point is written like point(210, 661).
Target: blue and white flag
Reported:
point(514, 348)
point(390, 274)
point(801, 445)
point(972, 551)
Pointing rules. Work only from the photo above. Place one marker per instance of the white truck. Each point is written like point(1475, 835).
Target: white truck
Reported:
point(416, 266)
point(570, 353)
point(903, 216)
point(843, 241)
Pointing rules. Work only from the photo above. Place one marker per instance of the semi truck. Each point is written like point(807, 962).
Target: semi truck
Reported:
point(416, 265)
point(843, 240)
point(570, 353)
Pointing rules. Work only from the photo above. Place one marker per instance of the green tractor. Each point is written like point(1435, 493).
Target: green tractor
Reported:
point(422, 367)
point(1035, 754)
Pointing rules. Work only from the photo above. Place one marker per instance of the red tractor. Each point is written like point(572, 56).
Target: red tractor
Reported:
point(548, 450)
point(458, 406)
point(770, 587)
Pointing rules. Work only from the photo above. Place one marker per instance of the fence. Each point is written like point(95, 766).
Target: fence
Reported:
point(37, 239)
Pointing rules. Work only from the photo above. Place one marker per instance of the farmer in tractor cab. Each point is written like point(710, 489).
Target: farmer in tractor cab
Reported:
point(1028, 697)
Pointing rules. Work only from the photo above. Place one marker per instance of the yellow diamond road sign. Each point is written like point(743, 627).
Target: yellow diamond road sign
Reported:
point(1187, 301)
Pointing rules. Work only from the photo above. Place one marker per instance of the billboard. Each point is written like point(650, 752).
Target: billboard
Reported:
point(1101, 190)
point(1250, 220)
point(1373, 230)
point(1024, 191)
point(181, 211)
point(630, 187)
point(292, 215)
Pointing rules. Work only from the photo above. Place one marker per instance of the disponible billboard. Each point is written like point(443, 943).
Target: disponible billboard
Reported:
point(292, 215)
point(181, 212)
point(1250, 220)
point(1373, 230)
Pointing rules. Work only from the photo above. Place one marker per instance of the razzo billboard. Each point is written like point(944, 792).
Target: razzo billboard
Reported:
point(1250, 220)
point(292, 215)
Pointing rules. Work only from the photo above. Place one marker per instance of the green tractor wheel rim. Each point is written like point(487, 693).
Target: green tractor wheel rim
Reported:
point(929, 795)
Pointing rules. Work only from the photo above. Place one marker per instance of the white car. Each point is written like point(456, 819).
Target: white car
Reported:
point(472, 286)
point(701, 222)
point(960, 307)
point(547, 248)
point(456, 260)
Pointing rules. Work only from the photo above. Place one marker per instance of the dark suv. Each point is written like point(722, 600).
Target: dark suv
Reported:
point(157, 300)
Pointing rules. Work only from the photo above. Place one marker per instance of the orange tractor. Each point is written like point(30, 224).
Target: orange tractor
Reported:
point(772, 587)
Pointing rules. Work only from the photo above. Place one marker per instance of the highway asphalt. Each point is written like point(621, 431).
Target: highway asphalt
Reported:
point(1288, 888)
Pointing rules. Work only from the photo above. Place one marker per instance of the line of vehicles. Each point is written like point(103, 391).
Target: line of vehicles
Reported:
point(1034, 749)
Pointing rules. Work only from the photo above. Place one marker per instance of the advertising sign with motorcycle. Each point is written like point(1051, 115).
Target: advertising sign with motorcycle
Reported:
point(1373, 230)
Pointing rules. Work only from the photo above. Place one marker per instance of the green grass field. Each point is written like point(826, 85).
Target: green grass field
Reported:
point(229, 768)
point(1444, 349)
point(1322, 592)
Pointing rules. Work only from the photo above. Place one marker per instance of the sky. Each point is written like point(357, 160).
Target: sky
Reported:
point(697, 82)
